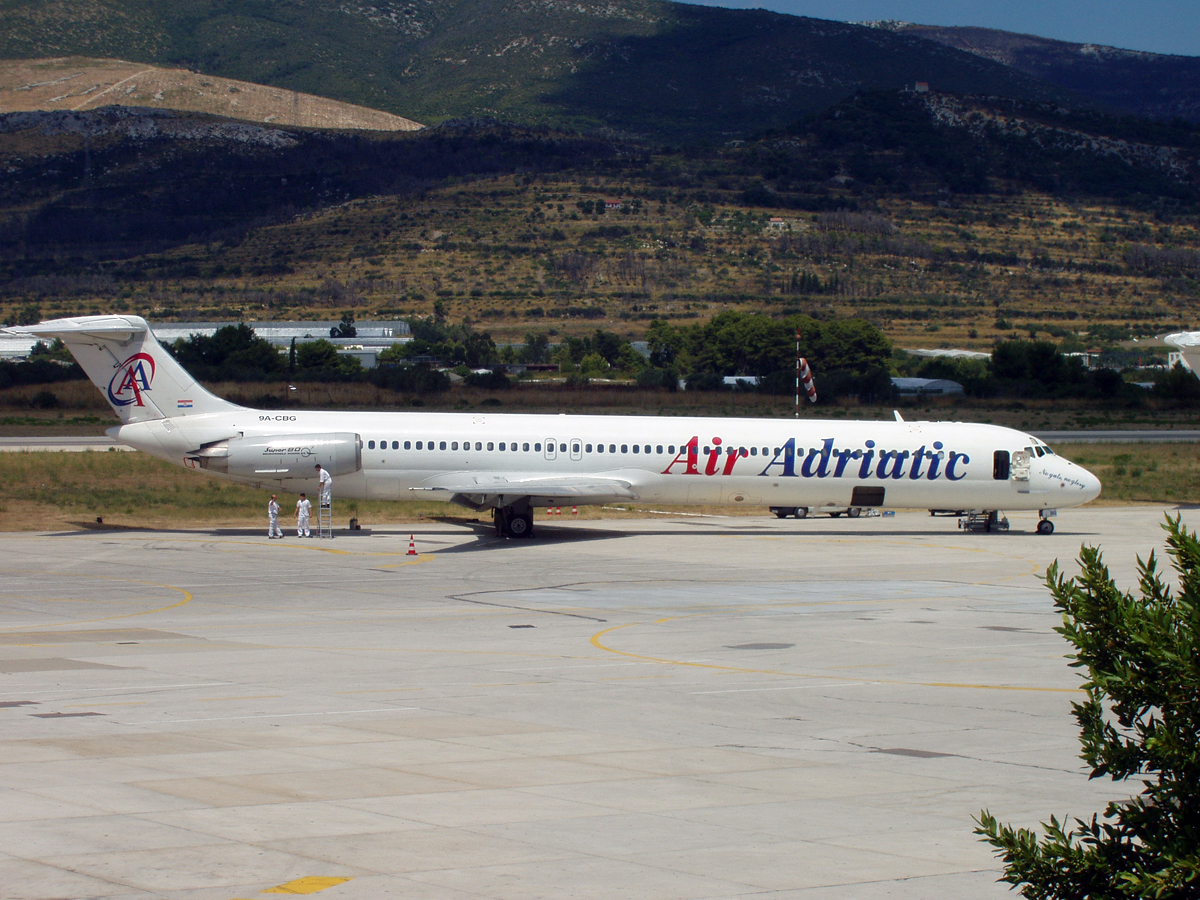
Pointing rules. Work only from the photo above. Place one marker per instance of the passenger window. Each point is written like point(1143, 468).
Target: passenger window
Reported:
point(442, 445)
point(754, 451)
point(491, 446)
point(658, 449)
point(575, 449)
point(670, 448)
point(478, 445)
point(503, 446)
point(624, 448)
point(706, 449)
point(537, 448)
point(429, 445)
point(525, 446)
point(370, 445)
point(637, 449)
point(419, 445)
point(454, 445)
point(765, 451)
point(587, 448)
point(612, 448)
point(513, 446)
point(562, 448)
point(395, 445)
point(599, 448)
point(1000, 463)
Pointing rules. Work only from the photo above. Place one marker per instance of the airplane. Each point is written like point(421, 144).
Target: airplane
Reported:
point(511, 463)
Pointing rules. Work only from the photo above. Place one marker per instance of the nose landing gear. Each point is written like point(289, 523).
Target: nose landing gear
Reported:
point(1045, 526)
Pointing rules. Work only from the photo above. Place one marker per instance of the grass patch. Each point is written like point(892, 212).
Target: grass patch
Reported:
point(55, 490)
point(1140, 473)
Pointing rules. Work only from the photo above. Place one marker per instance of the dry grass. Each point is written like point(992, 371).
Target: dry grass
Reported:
point(80, 83)
point(1141, 473)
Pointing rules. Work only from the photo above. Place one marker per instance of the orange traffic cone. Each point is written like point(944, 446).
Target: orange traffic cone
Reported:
point(558, 510)
point(549, 510)
point(412, 546)
point(574, 510)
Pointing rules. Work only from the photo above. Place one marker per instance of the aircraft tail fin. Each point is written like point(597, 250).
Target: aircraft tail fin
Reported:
point(138, 377)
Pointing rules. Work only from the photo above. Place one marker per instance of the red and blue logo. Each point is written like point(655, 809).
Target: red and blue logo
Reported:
point(131, 380)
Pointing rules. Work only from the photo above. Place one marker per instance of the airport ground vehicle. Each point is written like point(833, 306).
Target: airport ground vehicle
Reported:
point(802, 512)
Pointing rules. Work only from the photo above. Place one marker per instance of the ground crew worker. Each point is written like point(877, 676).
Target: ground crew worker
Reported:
point(273, 529)
point(325, 491)
point(303, 511)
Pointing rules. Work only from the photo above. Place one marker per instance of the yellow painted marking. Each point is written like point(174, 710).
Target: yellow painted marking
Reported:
point(595, 642)
point(251, 697)
point(422, 558)
point(309, 885)
point(187, 598)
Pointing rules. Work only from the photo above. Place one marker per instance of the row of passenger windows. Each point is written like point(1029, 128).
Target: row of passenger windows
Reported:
point(512, 447)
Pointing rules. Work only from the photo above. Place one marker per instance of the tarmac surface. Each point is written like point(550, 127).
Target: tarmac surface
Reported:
point(670, 708)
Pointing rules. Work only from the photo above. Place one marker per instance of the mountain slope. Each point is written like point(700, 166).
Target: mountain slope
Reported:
point(1146, 84)
point(664, 70)
point(79, 83)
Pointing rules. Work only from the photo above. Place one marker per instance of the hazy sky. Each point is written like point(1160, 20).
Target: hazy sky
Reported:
point(1160, 26)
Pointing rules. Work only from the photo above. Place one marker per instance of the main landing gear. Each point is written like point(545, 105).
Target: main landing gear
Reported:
point(513, 521)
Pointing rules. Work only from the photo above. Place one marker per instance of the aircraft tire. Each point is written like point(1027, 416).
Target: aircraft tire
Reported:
point(520, 525)
point(1045, 527)
point(854, 512)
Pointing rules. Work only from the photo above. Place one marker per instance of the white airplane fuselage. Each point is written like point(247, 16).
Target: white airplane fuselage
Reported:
point(512, 462)
point(805, 462)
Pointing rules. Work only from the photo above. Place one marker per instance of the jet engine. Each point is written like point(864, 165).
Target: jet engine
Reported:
point(282, 456)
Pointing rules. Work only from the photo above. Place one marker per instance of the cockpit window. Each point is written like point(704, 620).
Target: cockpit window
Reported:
point(1039, 451)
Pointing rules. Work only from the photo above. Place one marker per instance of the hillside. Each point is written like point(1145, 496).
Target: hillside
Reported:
point(1145, 84)
point(942, 219)
point(656, 69)
point(79, 83)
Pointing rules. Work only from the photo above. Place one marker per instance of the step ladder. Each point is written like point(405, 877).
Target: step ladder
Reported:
point(325, 519)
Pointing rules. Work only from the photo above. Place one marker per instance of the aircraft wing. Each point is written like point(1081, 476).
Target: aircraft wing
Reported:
point(560, 487)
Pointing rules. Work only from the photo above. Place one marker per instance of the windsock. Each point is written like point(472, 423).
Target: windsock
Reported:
point(807, 380)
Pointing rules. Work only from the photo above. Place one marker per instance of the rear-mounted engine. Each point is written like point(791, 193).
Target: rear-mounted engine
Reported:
point(284, 456)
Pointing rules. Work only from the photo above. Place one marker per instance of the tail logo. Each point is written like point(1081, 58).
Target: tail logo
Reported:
point(131, 379)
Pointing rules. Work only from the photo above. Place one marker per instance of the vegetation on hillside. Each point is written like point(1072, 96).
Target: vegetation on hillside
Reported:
point(665, 71)
point(936, 230)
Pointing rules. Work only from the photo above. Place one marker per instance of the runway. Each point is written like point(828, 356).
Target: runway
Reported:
point(675, 708)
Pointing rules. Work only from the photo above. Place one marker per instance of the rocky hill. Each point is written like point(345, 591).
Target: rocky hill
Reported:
point(79, 83)
point(1146, 84)
point(648, 68)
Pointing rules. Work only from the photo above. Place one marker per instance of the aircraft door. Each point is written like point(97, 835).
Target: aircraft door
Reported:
point(551, 446)
point(576, 448)
point(1021, 463)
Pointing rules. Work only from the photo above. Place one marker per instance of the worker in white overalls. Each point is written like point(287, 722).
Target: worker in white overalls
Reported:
point(303, 511)
point(273, 529)
point(325, 489)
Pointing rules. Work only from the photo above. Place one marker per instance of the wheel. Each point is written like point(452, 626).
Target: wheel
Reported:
point(835, 514)
point(854, 512)
point(520, 525)
point(801, 512)
point(1045, 527)
point(781, 515)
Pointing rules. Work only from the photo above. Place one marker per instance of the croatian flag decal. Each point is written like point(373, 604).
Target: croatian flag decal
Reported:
point(183, 404)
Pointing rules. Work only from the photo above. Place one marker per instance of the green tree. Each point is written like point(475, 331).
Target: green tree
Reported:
point(347, 328)
point(1140, 718)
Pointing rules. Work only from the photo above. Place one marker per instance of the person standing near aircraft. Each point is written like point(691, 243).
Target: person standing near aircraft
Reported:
point(273, 529)
point(325, 489)
point(303, 511)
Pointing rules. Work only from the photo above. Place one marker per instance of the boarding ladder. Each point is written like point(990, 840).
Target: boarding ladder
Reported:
point(324, 518)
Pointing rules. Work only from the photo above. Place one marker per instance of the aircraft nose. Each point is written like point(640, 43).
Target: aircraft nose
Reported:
point(1091, 484)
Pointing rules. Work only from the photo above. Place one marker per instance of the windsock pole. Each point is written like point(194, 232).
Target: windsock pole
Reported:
point(797, 373)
